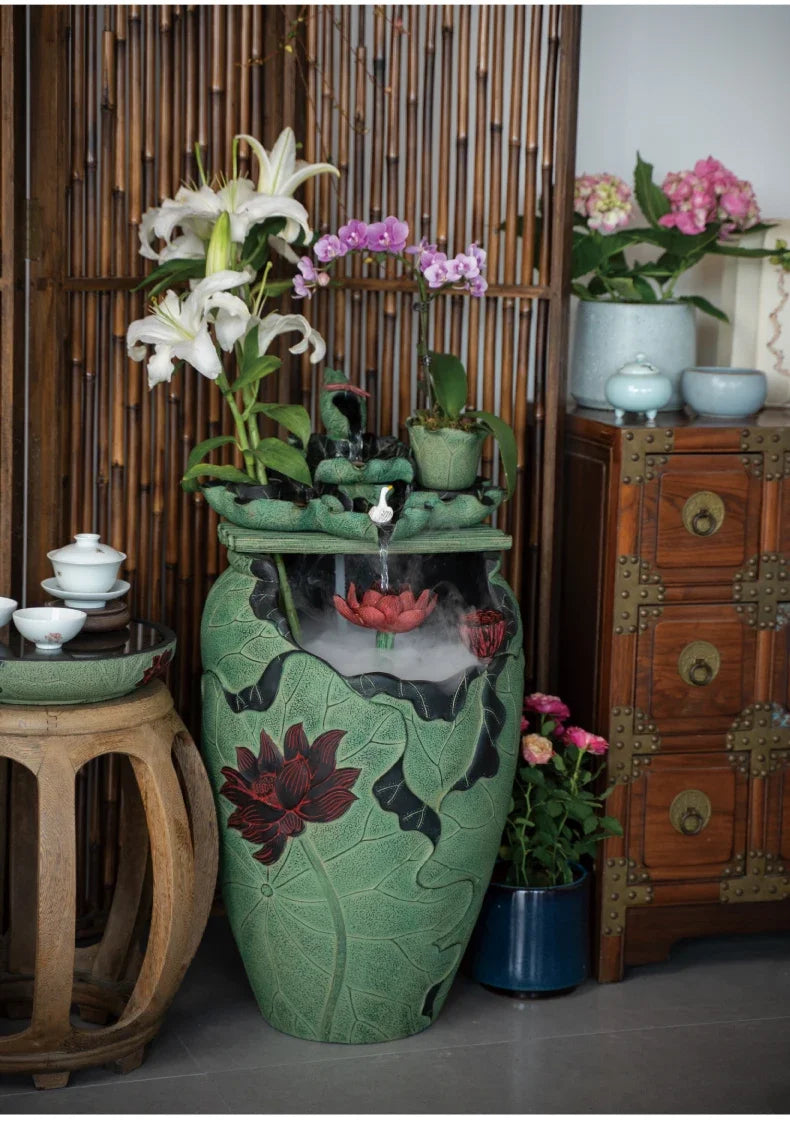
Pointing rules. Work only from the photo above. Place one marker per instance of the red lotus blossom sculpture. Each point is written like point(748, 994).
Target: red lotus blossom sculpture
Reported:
point(276, 796)
point(157, 668)
point(388, 613)
point(483, 631)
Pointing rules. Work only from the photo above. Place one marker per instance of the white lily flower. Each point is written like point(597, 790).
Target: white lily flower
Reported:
point(179, 328)
point(273, 325)
point(279, 171)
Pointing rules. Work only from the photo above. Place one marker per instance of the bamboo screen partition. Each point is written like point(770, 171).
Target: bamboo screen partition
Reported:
point(458, 119)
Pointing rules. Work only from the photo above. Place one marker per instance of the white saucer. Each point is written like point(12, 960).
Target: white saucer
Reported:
point(85, 600)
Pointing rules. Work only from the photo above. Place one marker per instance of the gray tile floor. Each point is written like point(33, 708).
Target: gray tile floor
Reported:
point(706, 1032)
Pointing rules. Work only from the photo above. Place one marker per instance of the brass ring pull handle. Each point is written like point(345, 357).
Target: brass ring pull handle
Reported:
point(699, 663)
point(703, 513)
point(692, 822)
point(703, 523)
point(690, 812)
point(700, 672)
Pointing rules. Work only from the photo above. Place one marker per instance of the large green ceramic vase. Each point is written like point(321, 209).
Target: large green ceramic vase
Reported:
point(360, 816)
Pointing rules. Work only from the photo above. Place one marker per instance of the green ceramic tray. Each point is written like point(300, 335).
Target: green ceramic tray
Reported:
point(424, 511)
point(28, 677)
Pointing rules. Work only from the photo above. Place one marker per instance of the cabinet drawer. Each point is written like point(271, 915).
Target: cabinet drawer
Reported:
point(688, 816)
point(701, 518)
point(695, 668)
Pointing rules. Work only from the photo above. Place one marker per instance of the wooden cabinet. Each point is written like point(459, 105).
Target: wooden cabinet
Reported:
point(675, 644)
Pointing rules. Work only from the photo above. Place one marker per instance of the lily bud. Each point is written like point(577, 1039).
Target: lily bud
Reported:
point(219, 247)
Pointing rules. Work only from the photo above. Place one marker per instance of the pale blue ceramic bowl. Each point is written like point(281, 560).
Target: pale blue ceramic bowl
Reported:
point(724, 391)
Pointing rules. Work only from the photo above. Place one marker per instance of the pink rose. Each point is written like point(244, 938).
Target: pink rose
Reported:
point(536, 750)
point(586, 741)
point(548, 705)
point(524, 725)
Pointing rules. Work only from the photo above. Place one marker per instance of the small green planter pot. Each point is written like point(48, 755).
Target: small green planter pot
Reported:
point(352, 910)
point(447, 458)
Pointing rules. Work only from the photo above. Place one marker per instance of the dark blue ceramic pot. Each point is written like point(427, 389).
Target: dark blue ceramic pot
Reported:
point(533, 940)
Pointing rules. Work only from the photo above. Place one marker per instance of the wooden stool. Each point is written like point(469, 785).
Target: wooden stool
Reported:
point(166, 806)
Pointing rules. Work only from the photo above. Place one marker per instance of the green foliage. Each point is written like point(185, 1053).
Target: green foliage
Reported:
point(600, 270)
point(448, 382)
point(555, 817)
point(281, 457)
point(505, 438)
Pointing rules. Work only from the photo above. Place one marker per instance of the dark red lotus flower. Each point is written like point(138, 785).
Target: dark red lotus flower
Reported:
point(275, 796)
point(483, 632)
point(157, 668)
point(387, 611)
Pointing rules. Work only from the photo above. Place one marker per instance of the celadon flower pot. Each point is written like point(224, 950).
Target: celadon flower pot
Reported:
point(447, 458)
point(360, 816)
point(608, 335)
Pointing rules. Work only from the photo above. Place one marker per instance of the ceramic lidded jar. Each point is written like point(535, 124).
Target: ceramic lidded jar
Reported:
point(638, 387)
point(86, 565)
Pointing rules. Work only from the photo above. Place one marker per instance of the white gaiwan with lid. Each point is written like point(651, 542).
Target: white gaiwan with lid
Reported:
point(87, 565)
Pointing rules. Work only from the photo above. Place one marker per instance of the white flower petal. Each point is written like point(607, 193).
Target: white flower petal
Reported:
point(160, 366)
point(282, 159)
point(201, 353)
point(264, 167)
point(146, 233)
point(232, 320)
point(304, 171)
point(274, 325)
point(189, 245)
point(261, 207)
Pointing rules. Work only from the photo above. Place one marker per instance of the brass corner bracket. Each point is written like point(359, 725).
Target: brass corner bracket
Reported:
point(623, 887)
point(763, 881)
point(632, 739)
point(638, 595)
point(644, 449)
point(761, 591)
point(767, 452)
point(758, 742)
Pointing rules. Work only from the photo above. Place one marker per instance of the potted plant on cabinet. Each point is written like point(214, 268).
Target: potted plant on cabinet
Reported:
point(533, 931)
point(446, 435)
point(629, 303)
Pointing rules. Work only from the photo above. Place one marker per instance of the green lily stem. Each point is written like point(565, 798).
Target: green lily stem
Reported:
point(338, 973)
point(289, 608)
point(248, 441)
point(384, 640)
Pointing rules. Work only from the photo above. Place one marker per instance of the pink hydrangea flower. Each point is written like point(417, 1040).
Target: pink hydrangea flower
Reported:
point(328, 247)
point(604, 200)
point(709, 193)
point(586, 741)
point(547, 705)
point(389, 236)
point(536, 750)
point(354, 235)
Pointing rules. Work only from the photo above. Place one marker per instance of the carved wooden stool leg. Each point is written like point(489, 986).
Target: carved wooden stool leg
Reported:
point(52, 1080)
point(167, 802)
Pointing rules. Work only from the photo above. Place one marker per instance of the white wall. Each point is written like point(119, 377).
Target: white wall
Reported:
point(683, 82)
